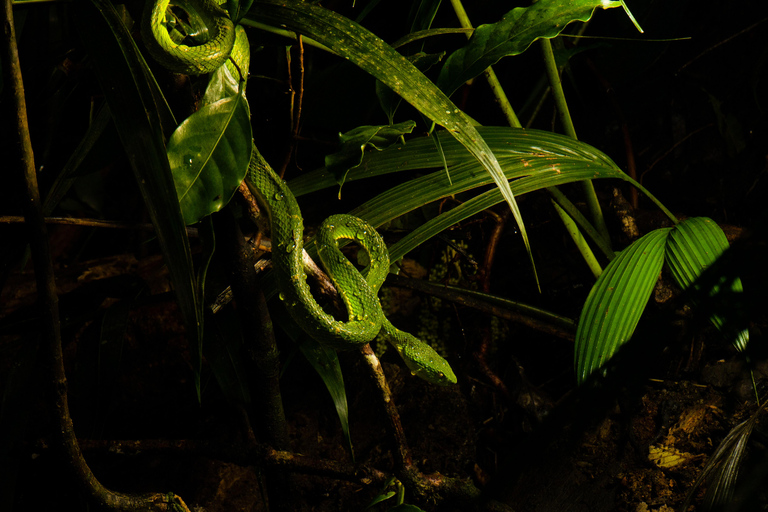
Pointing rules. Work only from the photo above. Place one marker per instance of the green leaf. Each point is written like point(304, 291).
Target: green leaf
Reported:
point(136, 110)
point(512, 35)
point(209, 155)
point(388, 99)
point(223, 349)
point(693, 245)
point(351, 41)
point(534, 159)
point(326, 364)
point(405, 508)
point(380, 498)
point(722, 469)
point(525, 146)
point(354, 143)
point(616, 302)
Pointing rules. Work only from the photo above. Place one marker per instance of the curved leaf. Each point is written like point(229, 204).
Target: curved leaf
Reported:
point(209, 154)
point(616, 302)
point(420, 153)
point(325, 361)
point(138, 113)
point(512, 35)
point(351, 41)
point(693, 245)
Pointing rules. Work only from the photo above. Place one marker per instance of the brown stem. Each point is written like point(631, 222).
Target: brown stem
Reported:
point(64, 434)
point(297, 100)
point(261, 351)
point(400, 451)
point(563, 329)
point(490, 254)
point(94, 223)
point(245, 454)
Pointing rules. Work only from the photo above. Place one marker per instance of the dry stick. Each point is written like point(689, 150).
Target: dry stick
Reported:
point(560, 330)
point(297, 99)
point(245, 454)
point(94, 223)
point(64, 434)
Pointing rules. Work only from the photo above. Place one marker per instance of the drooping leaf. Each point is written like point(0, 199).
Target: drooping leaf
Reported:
point(209, 154)
point(533, 159)
point(525, 145)
point(223, 352)
point(355, 142)
point(693, 245)
point(388, 99)
point(616, 302)
point(512, 35)
point(722, 468)
point(351, 41)
point(326, 364)
point(136, 110)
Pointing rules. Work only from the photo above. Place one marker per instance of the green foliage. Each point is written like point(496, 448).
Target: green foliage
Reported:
point(619, 296)
point(512, 35)
point(693, 246)
point(616, 302)
point(355, 142)
point(129, 89)
point(209, 154)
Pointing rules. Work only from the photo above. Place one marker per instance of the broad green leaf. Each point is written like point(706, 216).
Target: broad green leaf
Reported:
point(356, 141)
point(222, 84)
point(351, 41)
point(616, 302)
point(694, 245)
point(512, 35)
point(209, 154)
point(136, 110)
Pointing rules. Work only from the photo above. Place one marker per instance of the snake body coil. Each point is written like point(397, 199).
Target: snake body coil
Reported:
point(366, 318)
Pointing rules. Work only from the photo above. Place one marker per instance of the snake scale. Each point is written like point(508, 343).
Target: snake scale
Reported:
point(222, 41)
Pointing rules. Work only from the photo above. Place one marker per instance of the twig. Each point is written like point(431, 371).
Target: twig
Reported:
point(63, 432)
point(245, 454)
point(433, 488)
point(297, 99)
point(261, 351)
point(485, 284)
point(555, 325)
point(94, 223)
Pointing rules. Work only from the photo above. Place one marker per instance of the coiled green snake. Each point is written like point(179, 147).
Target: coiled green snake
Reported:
point(359, 294)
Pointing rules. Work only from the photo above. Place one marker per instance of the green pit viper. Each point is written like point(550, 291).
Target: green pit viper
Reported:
point(366, 319)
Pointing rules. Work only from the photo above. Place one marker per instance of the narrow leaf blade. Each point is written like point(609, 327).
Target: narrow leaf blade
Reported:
point(351, 41)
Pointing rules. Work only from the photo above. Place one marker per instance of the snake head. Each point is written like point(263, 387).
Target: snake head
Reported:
point(424, 362)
